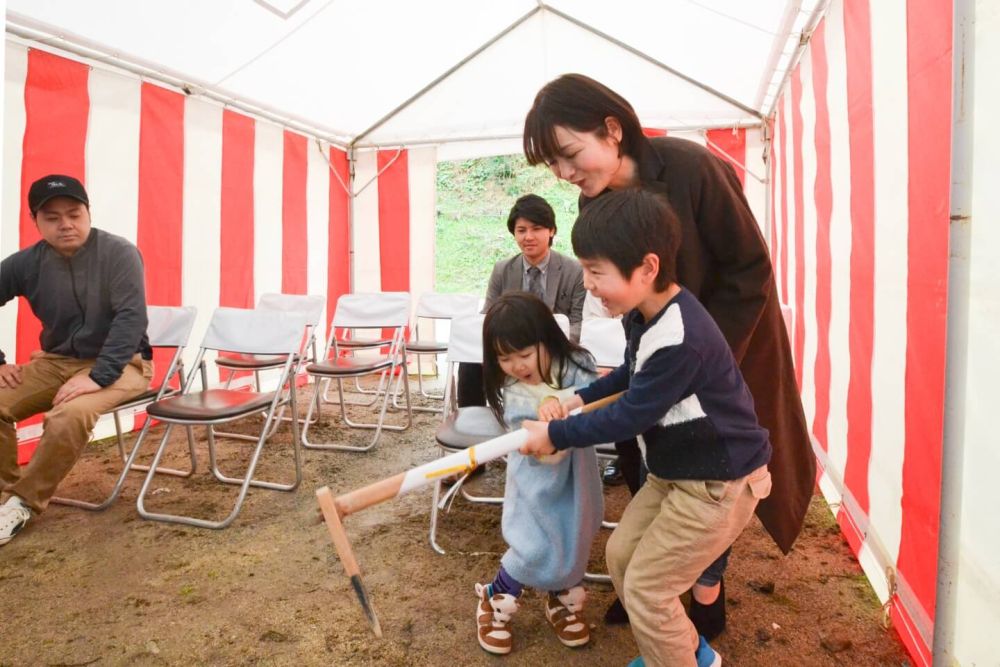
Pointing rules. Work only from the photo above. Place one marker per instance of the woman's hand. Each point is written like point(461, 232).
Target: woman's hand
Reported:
point(538, 439)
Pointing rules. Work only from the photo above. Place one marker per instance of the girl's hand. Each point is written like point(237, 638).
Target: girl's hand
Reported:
point(551, 409)
point(538, 438)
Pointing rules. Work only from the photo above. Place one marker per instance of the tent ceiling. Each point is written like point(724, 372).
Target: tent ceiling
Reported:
point(384, 72)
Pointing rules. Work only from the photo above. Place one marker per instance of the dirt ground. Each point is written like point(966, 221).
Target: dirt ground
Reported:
point(83, 588)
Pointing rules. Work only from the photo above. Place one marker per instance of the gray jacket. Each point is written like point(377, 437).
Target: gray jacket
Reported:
point(91, 305)
point(564, 290)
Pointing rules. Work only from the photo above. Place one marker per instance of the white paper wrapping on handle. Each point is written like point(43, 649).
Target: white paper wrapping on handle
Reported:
point(462, 461)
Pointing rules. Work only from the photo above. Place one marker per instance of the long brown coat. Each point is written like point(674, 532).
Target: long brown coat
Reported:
point(724, 261)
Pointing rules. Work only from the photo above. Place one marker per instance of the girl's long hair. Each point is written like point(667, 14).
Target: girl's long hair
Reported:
point(515, 321)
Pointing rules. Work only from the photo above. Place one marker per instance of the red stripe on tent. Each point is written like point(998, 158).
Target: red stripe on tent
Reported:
point(57, 108)
point(161, 201)
point(783, 256)
point(929, 68)
point(823, 194)
point(857, 37)
point(294, 257)
point(654, 132)
point(394, 220)
point(236, 287)
point(731, 146)
point(339, 244)
point(798, 344)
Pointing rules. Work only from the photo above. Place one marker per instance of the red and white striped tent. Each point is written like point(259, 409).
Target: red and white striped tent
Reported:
point(250, 146)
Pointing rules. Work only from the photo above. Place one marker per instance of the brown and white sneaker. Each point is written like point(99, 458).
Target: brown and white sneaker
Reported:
point(492, 618)
point(561, 609)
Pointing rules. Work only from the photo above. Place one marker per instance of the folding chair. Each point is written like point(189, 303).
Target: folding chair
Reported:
point(355, 313)
point(465, 427)
point(604, 337)
point(437, 307)
point(247, 332)
point(309, 305)
point(168, 327)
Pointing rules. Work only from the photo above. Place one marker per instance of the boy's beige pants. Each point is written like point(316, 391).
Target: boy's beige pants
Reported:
point(670, 532)
point(66, 428)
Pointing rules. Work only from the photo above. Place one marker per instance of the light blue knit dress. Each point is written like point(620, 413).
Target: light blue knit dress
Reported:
point(552, 510)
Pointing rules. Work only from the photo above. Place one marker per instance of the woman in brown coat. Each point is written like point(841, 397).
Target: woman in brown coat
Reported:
point(590, 136)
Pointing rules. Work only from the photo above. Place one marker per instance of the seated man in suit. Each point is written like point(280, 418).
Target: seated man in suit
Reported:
point(554, 278)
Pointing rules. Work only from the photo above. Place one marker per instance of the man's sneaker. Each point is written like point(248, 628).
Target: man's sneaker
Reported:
point(562, 609)
point(13, 515)
point(706, 655)
point(492, 618)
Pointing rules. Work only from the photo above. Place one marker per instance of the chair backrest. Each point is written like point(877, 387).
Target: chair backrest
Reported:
point(170, 326)
point(372, 310)
point(309, 305)
point(438, 306)
point(255, 331)
point(605, 338)
point(466, 343)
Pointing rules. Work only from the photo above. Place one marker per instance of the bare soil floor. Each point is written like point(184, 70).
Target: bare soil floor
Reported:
point(82, 588)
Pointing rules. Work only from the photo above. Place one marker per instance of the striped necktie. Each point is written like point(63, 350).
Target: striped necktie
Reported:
point(535, 282)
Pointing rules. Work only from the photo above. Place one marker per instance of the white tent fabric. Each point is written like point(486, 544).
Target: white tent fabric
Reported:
point(296, 61)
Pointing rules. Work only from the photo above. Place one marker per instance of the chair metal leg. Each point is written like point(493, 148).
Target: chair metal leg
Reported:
point(119, 483)
point(378, 426)
point(245, 484)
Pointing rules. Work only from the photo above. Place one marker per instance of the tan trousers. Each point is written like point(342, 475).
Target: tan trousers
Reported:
point(66, 428)
point(669, 533)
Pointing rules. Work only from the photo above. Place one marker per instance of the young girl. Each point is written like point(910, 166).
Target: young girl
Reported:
point(552, 505)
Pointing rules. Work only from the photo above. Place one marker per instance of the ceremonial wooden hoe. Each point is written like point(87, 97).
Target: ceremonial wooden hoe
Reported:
point(335, 509)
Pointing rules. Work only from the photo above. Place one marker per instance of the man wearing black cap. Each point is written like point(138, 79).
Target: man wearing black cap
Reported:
point(87, 288)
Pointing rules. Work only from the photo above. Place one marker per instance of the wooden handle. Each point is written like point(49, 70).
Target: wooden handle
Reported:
point(337, 533)
point(601, 402)
point(366, 496)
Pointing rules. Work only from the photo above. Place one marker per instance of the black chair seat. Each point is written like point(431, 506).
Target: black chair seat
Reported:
point(144, 397)
point(210, 404)
point(468, 426)
point(350, 343)
point(349, 366)
point(427, 346)
point(252, 362)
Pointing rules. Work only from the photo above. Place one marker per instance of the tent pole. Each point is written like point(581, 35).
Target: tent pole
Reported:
point(29, 31)
point(768, 131)
point(351, 167)
point(634, 51)
point(818, 12)
point(957, 360)
point(792, 10)
point(451, 70)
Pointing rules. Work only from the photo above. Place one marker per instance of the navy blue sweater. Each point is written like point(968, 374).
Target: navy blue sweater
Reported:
point(92, 305)
point(684, 396)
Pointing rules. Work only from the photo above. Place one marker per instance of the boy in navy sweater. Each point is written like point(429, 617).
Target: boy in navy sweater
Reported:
point(685, 399)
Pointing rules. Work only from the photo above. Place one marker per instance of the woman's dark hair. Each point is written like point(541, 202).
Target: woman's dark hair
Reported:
point(515, 321)
point(622, 226)
point(582, 104)
point(534, 209)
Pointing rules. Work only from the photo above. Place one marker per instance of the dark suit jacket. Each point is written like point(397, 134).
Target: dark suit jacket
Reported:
point(564, 290)
point(724, 261)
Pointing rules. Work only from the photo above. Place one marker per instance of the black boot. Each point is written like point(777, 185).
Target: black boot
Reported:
point(616, 614)
point(709, 619)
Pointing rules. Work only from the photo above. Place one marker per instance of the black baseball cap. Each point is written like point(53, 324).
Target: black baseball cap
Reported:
point(55, 185)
